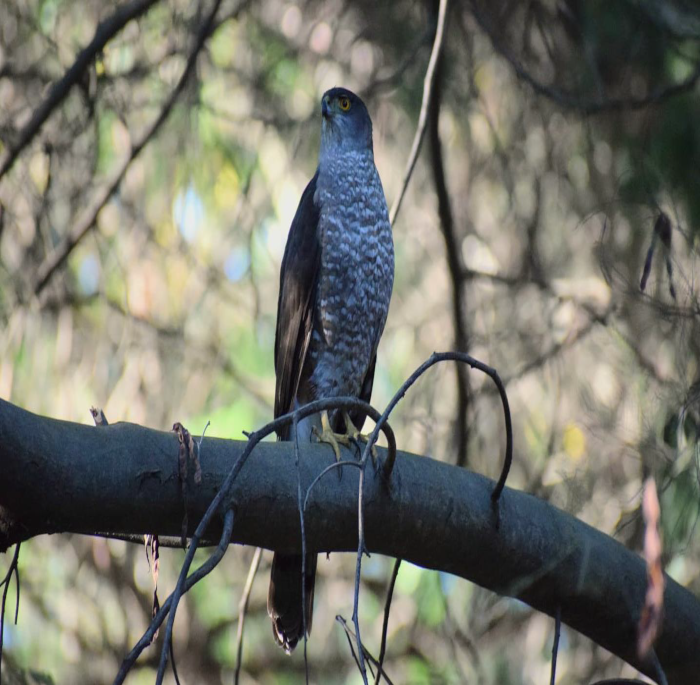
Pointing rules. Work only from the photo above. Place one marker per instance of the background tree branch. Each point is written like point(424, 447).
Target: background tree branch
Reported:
point(104, 32)
point(455, 266)
point(66, 477)
point(87, 221)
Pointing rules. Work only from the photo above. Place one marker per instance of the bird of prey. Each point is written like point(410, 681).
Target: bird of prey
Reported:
point(335, 286)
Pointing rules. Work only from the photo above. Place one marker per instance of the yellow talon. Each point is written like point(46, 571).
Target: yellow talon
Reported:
point(350, 437)
point(328, 436)
point(354, 435)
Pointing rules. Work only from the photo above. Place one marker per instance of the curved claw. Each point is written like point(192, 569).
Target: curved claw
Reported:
point(351, 437)
point(355, 437)
point(327, 435)
point(330, 438)
point(356, 444)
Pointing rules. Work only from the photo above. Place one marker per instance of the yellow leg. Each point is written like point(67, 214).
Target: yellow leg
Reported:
point(354, 435)
point(351, 436)
point(327, 435)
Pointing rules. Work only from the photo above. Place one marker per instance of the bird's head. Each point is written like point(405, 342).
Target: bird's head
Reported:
point(346, 122)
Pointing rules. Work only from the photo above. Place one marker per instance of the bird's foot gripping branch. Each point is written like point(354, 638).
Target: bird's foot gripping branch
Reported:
point(71, 448)
point(434, 515)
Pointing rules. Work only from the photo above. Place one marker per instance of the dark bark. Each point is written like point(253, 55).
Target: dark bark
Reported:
point(58, 476)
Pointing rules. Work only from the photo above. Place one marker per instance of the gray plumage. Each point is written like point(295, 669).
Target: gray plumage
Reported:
point(335, 288)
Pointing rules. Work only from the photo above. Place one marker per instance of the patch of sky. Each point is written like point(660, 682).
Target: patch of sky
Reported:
point(188, 213)
point(236, 264)
point(447, 582)
point(89, 275)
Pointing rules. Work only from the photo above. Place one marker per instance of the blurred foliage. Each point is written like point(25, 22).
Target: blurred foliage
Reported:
point(563, 137)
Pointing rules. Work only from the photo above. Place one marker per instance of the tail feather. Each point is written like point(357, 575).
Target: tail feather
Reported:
point(284, 599)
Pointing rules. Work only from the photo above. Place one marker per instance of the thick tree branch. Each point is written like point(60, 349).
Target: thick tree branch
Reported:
point(65, 477)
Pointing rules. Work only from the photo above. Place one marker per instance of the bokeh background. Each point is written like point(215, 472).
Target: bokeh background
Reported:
point(558, 132)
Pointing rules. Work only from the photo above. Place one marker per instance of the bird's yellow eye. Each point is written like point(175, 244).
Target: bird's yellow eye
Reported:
point(344, 104)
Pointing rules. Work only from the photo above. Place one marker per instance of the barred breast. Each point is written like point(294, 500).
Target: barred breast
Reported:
point(357, 273)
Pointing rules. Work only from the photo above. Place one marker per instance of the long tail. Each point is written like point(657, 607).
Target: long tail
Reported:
point(284, 598)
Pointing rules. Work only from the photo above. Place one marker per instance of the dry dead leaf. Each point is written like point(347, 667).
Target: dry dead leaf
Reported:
point(652, 612)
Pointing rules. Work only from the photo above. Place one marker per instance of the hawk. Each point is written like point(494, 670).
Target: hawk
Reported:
point(335, 286)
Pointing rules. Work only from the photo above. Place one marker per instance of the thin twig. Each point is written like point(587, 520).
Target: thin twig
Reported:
point(243, 610)
point(555, 644)
point(172, 658)
point(423, 116)
point(183, 583)
point(388, 465)
point(6, 582)
point(358, 571)
point(348, 634)
point(205, 569)
point(295, 431)
point(17, 586)
point(334, 465)
point(385, 626)
point(98, 416)
point(274, 426)
point(165, 541)
point(104, 32)
point(351, 637)
point(463, 358)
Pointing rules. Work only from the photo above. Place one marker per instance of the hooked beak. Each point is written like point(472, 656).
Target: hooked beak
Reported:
point(326, 108)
